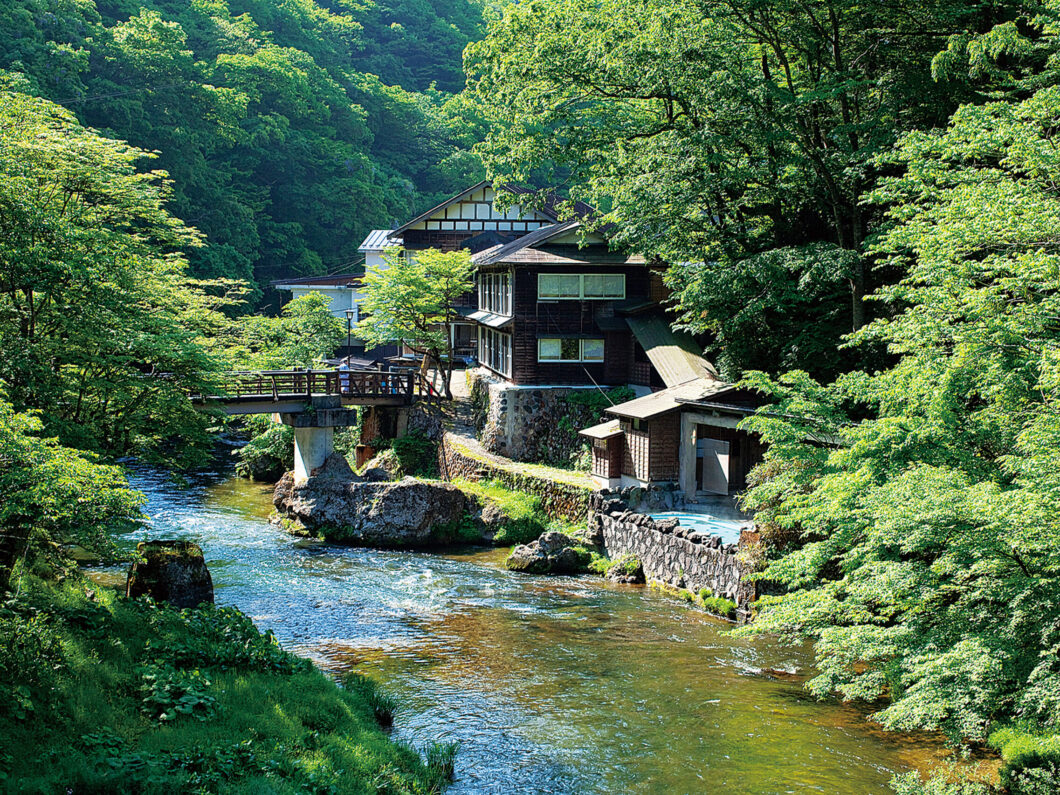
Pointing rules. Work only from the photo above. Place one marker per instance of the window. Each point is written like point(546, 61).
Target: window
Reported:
point(558, 285)
point(495, 350)
point(569, 349)
point(495, 293)
point(587, 286)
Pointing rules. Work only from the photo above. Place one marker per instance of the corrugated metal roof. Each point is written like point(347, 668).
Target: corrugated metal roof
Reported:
point(377, 240)
point(668, 399)
point(605, 430)
point(675, 356)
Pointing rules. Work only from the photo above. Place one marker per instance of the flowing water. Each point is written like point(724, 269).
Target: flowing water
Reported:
point(550, 685)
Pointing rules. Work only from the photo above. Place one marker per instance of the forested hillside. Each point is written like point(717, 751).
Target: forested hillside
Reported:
point(288, 129)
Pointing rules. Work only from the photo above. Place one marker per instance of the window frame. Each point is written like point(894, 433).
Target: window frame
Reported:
point(581, 296)
point(581, 350)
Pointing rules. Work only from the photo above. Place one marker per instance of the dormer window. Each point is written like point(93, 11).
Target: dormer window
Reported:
point(581, 286)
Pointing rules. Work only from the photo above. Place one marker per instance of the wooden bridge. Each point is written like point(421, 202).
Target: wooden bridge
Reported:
point(286, 391)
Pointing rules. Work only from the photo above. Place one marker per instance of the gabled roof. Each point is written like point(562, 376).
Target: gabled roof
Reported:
point(377, 240)
point(549, 209)
point(533, 248)
point(675, 356)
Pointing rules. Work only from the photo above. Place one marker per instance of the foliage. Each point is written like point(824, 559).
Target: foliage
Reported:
point(269, 453)
point(410, 298)
point(168, 694)
point(54, 493)
point(417, 454)
point(101, 329)
point(731, 139)
point(1031, 761)
point(920, 543)
point(305, 334)
point(281, 124)
point(382, 705)
point(294, 730)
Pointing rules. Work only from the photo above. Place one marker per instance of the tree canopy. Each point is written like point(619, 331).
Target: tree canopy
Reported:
point(733, 140)
point(921, 553)
point(289, 129)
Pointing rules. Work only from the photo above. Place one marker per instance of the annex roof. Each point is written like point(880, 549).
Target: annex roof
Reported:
point(605, 430)
point(675, 356)
point(669, 399)
point(377, 240)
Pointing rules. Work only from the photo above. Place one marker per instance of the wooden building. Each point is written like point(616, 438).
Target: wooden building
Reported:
point(685, 434)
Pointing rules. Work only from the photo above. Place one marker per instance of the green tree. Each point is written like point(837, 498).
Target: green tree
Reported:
point(53, 494)
point(411, 299)
point(302, 336)
point(100, 327)
point(734, 139)
point(921, 553)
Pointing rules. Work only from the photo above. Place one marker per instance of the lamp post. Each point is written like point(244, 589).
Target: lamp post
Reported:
point(351, 313)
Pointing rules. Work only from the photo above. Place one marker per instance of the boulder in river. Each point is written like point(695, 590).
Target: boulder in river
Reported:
point(552, 553)
point(170, 571)
point(409, 513)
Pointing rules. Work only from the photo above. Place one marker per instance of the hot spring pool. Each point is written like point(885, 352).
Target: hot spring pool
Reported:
point(728, 529)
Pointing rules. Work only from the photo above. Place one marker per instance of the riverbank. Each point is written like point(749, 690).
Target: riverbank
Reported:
point(549, 684)
point(106, 694)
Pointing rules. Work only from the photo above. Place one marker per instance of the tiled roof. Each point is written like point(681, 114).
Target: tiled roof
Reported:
point(532, 249)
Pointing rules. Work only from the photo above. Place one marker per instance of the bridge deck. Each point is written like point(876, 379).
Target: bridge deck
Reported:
point(265, 390)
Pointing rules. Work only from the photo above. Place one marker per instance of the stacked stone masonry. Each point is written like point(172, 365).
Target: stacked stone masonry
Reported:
point(670, 554)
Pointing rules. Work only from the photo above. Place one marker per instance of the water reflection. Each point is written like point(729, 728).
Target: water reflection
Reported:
point(549, 684)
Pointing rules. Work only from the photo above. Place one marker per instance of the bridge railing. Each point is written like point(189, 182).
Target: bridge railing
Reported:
point(276, 385)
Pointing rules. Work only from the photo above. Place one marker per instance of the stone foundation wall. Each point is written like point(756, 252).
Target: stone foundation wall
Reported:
point(561, 501)
point(527, 423)
point(672, 555)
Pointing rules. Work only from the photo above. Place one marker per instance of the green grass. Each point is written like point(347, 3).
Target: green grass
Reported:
point(109, 695)
point(528, 521)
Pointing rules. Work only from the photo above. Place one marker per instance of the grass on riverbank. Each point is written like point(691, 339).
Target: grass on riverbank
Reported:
point(103, 694)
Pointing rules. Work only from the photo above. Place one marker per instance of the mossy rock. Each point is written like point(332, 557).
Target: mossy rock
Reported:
point(170, 571)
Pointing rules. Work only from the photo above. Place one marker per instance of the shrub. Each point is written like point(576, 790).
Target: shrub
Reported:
point(526, 520)
point(1031, 762)
point(599, 564)
point(625, 564)
point(417, 454)
point(268, 454)
point(719, 605)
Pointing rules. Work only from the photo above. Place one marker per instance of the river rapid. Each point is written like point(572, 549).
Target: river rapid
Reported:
point(550, 685)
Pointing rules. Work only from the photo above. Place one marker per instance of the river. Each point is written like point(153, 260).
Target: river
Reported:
point(550, 685)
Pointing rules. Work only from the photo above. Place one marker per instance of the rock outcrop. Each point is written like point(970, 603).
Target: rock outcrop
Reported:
point(170, 571)
point(348, 510)
point(552, 553)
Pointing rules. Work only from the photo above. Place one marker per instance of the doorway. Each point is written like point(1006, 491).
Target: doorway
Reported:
point(713, 465)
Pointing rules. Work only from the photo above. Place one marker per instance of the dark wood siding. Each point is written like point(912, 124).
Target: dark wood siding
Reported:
point(663, 456)
point(607, 457)
point(535, 319)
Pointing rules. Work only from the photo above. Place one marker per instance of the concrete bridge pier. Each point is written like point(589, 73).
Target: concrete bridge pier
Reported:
point(312, 446)
point(314, 433)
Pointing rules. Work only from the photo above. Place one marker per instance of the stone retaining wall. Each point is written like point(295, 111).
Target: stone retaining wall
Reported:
point(670, 554)
point(562, 501)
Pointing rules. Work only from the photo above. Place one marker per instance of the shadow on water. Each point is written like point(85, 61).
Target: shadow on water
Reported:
point(551, 685)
